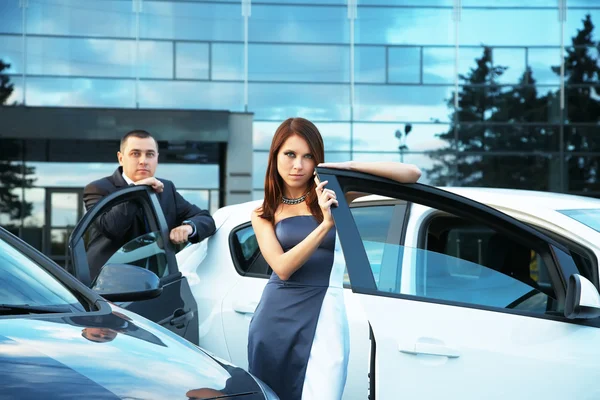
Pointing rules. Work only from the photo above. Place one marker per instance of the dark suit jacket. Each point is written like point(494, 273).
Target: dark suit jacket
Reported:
point(125, 222)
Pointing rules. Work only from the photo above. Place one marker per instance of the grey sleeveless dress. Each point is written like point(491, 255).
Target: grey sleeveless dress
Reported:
point(298, 340)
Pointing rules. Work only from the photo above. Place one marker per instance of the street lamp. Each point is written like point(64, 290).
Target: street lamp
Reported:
point(401, 136)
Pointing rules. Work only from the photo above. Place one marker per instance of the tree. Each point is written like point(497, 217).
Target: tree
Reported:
point(487, 119)
point(582, 106)
point(14, 175)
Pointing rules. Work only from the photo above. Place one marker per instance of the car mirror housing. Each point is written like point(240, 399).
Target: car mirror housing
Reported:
point(125, 282)
point(583, 299)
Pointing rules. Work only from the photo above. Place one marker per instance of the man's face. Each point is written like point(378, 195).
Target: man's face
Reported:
point(139, 158)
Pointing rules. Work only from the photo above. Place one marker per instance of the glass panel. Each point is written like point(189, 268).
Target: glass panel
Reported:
point(190, 176)
point(193, 21)
point(438, 63)
point(541, 62)
point(11, 207)
point(384, 137)
point(214, 202)
point(145, 251)
point(583, 173)
point(196, 197)
point(61, 174)
point(319, 102)
point(582, 68)
point(427, 26)
point(369, 64)
point(98, 57)
point(260, 159)
point(337, 156)
point(404, 64)
point(192, 61)
point(295, 63)
point(35, 200)
point(227, 61)
point(588, 217)
point(11, 17)
point(64, 209)
point(489, 26)
point(11, 52)
point(336, 136)
point(501, 171)
point(80, 92)
point(192, 95)
point(402, 103)
point(373, 224)
point(298, 24)
point(575, 22)
point(508, 137)
point(258, 194)
point(582, 138)
point(513, 60)
point(59, 240)
point(25, 282)
point(81, 17)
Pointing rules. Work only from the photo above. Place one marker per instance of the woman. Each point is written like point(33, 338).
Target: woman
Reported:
point(298, 339)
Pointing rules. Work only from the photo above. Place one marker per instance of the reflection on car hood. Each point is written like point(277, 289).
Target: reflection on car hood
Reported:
point(106, 355)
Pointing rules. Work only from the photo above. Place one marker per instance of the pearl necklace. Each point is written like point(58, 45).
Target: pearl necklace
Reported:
point(293, 202)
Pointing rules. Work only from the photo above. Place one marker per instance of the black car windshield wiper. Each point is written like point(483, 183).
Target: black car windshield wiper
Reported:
point(18, 309)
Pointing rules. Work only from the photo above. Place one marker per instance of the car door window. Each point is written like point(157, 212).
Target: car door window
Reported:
point(468, 262)
point(374, 222)
point(126, 227)
point(246, 254)
point(463, 262)
point(135, 243)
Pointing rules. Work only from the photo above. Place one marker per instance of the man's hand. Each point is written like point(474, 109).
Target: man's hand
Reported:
point(180, 234)
point(157, 185)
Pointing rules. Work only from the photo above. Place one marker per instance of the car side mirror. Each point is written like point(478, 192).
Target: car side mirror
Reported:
point(583, 299)
point(125, 282)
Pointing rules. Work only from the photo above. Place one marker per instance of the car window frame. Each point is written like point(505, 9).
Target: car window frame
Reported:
point(157, 222)
point(451, 203)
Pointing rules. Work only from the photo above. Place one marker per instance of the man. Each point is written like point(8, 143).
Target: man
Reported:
point(138, 159)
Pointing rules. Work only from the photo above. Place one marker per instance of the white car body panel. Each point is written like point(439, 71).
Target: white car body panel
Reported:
point(530, 352)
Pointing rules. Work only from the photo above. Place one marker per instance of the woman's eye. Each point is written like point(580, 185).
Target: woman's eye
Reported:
point(289, 154)
point(309, 156)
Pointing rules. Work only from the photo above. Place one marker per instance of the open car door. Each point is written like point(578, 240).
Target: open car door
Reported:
point(104, 240)
point(470, 324)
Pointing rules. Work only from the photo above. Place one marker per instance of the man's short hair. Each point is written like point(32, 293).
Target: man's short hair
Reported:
point(139, 133)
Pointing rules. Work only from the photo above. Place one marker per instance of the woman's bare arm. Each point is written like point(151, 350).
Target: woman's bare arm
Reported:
point(284, 264)
point(400, 172)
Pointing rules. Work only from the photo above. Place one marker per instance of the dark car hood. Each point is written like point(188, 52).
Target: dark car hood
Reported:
point(123, 356)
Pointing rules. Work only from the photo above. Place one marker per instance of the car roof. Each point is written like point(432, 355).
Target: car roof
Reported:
point(517, 199)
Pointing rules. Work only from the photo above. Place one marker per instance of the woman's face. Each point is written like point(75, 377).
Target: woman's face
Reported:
point(295, 162)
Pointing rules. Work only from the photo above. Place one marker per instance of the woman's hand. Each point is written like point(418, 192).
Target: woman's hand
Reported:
point(327, 198)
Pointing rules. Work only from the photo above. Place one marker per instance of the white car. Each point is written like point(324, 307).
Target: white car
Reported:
point(453, 299)
point(455, 293)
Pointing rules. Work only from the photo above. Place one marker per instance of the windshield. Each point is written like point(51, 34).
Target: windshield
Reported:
point(589, 217)
point(24, 283)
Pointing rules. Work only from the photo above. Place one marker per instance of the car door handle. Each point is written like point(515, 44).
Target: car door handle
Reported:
point(245, 307)
point(432, 349)
point(179, 320)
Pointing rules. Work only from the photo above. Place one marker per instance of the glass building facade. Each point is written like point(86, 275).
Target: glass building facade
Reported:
point(501, 93)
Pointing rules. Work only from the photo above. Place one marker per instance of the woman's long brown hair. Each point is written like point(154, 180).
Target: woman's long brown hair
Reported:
point(273, 181)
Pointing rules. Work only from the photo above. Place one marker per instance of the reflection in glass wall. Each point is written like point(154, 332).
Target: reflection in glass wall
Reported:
point(459, 92)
